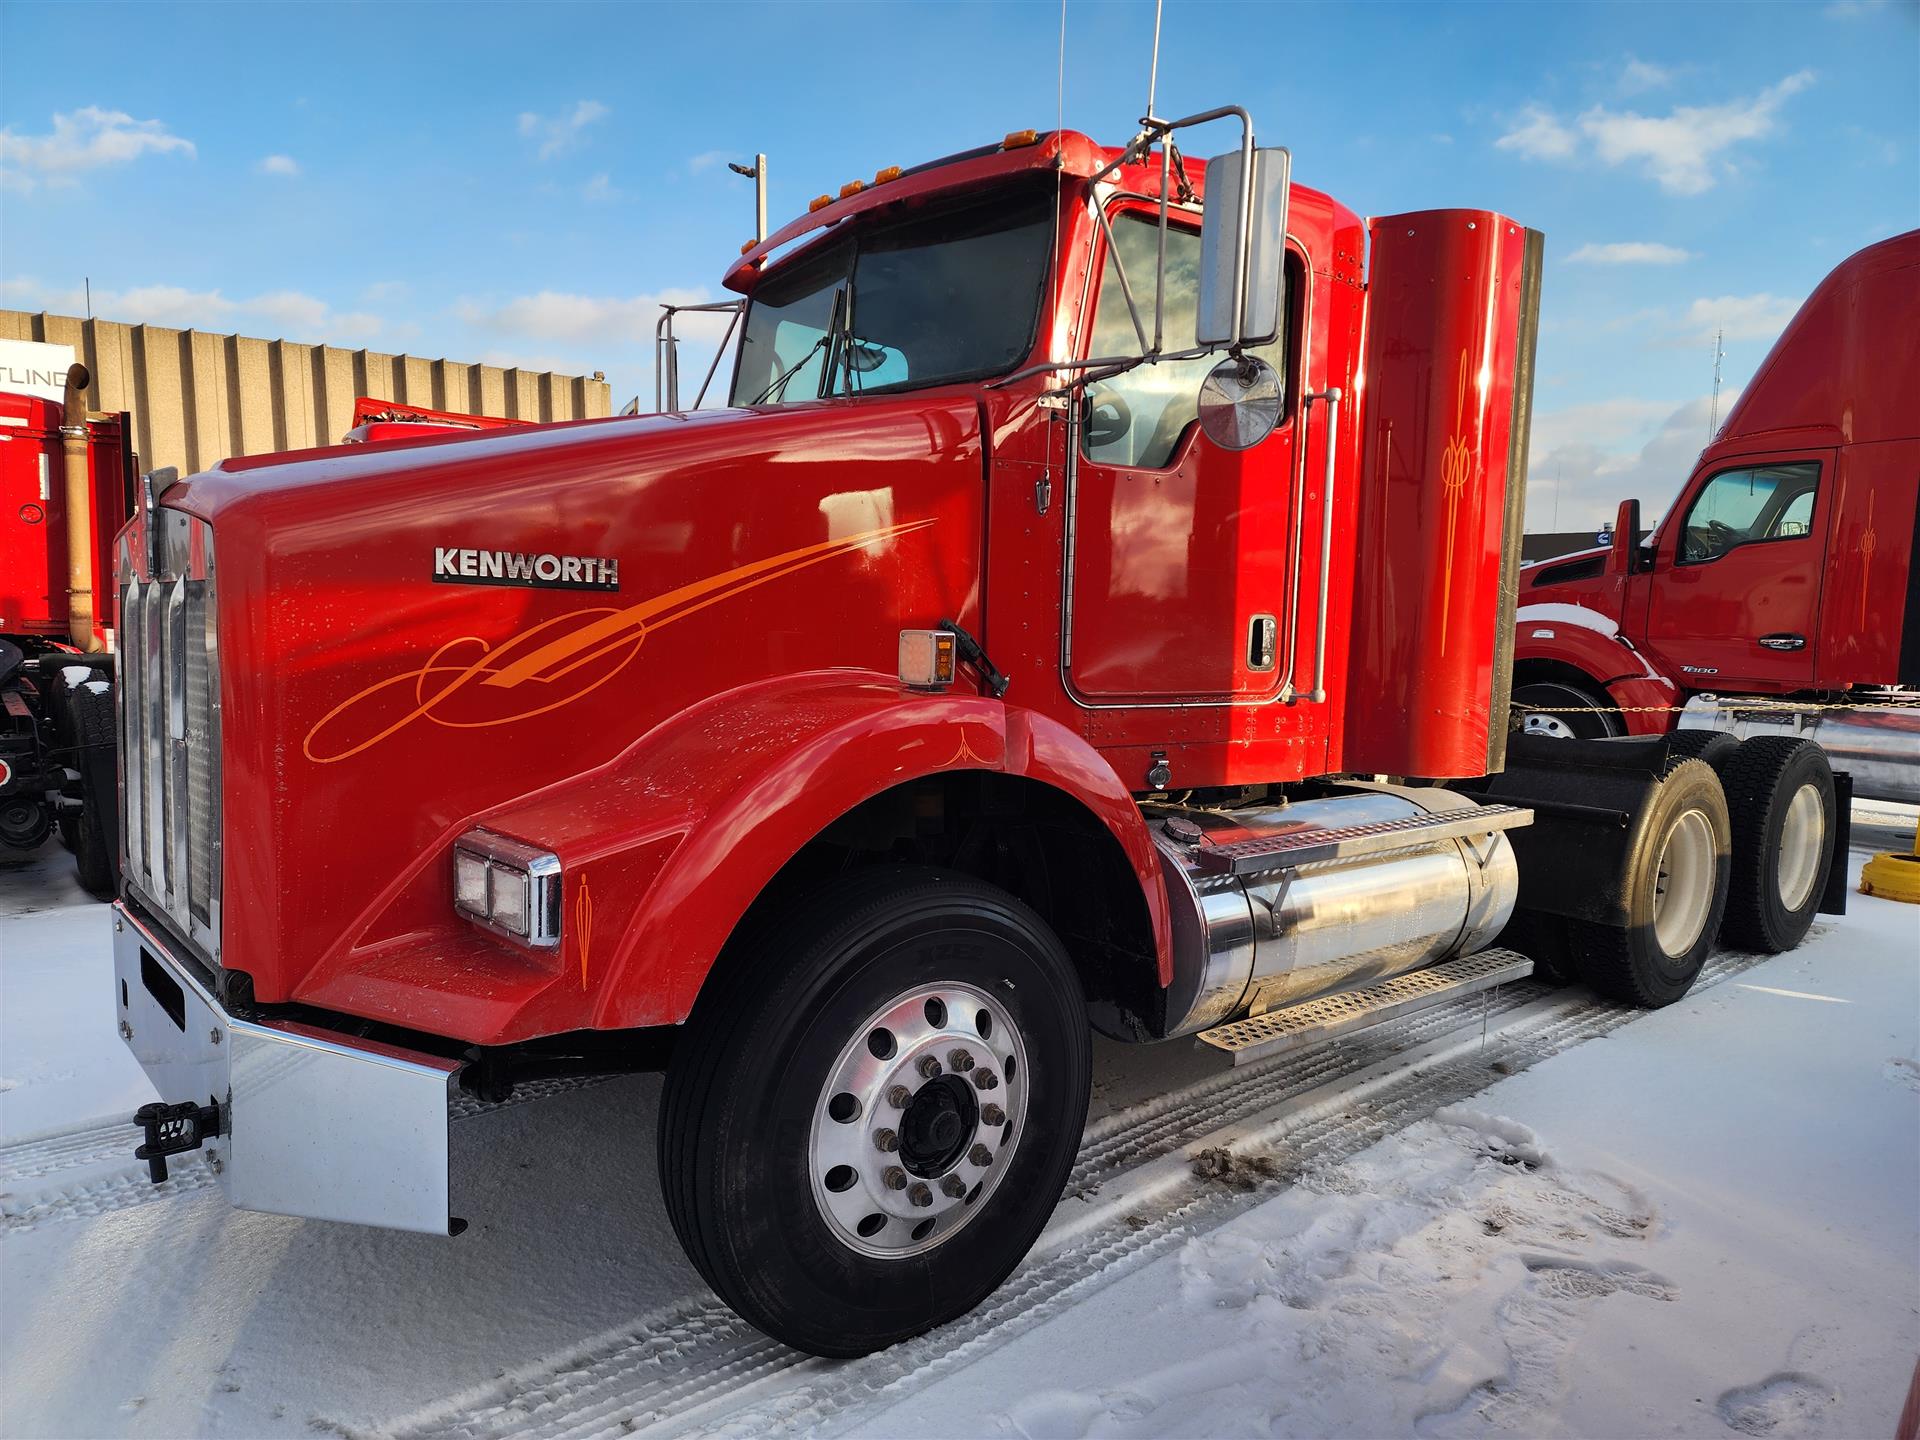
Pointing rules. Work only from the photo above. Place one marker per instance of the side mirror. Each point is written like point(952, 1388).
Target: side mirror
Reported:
point(1626, 539)
point(1243, 253)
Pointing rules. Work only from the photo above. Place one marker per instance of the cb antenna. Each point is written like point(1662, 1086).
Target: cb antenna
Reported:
point(1719, 353)
point(1153, 70)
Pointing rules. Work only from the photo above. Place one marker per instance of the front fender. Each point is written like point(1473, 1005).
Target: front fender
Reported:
point(667, 847)
point(1588, 640)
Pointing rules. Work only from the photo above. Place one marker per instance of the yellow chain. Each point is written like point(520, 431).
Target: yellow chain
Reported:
point(1788, 705)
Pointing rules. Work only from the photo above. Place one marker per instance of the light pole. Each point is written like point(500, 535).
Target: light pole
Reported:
point(756, 172)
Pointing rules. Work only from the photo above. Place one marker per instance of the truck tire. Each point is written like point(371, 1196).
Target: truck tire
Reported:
point(869, 1117)
point(1780, 798)
point(96, 842)
point(1551, 707)
point(1712, 746)
point(1675, 874)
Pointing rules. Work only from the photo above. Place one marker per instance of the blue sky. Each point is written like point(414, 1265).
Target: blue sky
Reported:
point(523, 183)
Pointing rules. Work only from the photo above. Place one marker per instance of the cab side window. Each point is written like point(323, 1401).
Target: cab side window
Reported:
point(1138, 418)
point(1748, 506)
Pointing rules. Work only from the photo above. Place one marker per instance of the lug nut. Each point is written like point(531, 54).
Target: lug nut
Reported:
point(980, 1156)
point(992, 1115)
point(928, 1067)
point(920, 1195)
point(899, 1097)
point(894, 1178)
point(954, 1187)
point(986, 1080)
point(886, 1140)
point(961, 1060)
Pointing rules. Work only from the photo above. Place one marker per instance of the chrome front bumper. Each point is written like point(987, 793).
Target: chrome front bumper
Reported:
point(325, 1126)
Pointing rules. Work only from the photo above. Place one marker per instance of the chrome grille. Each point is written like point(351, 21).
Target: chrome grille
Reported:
point(170, 725)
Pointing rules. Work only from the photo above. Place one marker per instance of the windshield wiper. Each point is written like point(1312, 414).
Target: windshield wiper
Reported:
point(777, 387)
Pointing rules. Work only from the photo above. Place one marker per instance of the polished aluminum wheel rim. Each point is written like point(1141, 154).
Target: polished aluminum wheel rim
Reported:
point(1534, 723)
point(1803, 835)
point(918, 1120)
point(1683, 885)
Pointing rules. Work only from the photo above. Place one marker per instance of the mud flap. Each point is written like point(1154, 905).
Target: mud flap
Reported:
point(1833, 900)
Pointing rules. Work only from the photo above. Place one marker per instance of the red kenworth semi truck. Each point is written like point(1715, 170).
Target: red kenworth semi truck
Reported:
point(1781, 593)
point(1094, 608)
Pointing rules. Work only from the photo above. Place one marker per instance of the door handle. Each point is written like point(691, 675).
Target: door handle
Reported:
point(1783, 641)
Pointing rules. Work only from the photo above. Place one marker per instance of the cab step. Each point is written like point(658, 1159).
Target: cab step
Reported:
point(1314, 843)
point(1312, 1021)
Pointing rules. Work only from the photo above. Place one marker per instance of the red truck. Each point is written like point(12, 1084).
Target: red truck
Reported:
point(64, 490)
point(1093, 609)
point(1781, 593)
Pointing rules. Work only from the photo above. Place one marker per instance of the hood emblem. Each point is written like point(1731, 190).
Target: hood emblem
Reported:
point(453, 565)
point(468, 684)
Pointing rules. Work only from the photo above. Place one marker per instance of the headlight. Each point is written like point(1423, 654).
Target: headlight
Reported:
point(507, 886)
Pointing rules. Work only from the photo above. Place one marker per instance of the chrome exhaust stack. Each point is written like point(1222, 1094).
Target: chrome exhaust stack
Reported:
point(1275, 904)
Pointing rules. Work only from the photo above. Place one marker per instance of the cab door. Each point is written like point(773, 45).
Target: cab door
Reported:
point(1179, 569)
point(1735, 594)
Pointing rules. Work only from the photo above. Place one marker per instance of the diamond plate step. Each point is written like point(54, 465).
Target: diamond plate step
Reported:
point(1305, 846)
point(1312, 1021)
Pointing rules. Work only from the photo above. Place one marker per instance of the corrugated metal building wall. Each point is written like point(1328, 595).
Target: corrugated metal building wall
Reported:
point(198, 398)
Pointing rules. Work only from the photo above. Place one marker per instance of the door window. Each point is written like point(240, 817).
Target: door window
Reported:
point(1748, 506)
point(1139, 418)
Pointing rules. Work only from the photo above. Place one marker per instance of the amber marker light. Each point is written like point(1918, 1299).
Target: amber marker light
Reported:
point(881, 177)
point(852, 187)
point(819, 202)
point(1018, 138)
point(927, 659)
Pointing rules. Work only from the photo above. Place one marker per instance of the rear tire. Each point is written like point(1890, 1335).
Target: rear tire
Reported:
point(1712, 746)
point(1675, 876)
point(782, 1127)
point(1551, 707)
point(96, 832)
point(1780, 798)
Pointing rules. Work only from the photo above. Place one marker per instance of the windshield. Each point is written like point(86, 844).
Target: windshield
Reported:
point(951, 293)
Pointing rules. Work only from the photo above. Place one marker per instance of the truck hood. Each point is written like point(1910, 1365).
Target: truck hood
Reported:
point(414, 636)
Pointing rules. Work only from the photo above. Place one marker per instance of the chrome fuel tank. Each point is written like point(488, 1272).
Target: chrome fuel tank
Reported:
point(1249, 943)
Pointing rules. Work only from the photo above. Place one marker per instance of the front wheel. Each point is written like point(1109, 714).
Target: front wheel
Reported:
point(1561, 711)
point(869, 1118)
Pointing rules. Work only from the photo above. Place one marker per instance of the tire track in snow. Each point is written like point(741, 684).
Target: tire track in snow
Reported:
point(90, 1170)
point(668, 1370)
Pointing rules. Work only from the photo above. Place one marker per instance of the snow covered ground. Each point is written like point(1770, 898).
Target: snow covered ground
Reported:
point(1538, 1214)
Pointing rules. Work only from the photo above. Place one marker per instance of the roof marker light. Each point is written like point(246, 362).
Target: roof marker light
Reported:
point(881, 177)
point(852, 187)
point(819, 202)
point(1018, 138)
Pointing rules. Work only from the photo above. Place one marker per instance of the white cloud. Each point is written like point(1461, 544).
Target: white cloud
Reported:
point(1852, 9)
point(1583, 461)
point(276, 313)
point(1682, 151)
point(1629, 252)
point(1742, 317)
point(1638, 75)
point(85, 139)
point(278, 165)
point(1538, 136)
point(707, 160)
point(561, 132)
point(555, 317)
point(600, 188)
